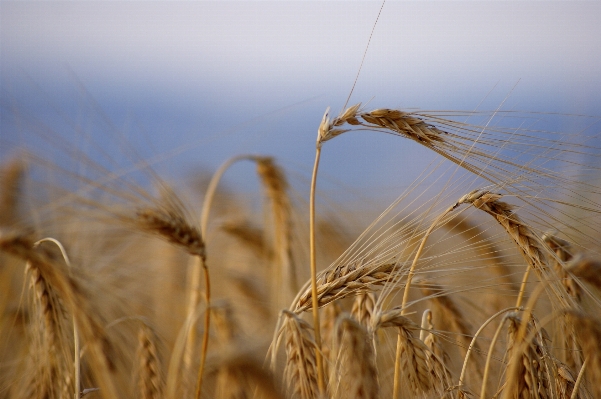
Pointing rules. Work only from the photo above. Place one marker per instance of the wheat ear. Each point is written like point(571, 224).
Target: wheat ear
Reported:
point(422, 369)
point(564, 253)
point(300, 370)
point(343, 281)
point(170, 224)
point(150, 379)
point(527, 375)
point(76, 342)
point(72, 294)
point(364, 306)
point(589, 331)
point(355, 374)
point(529, 244)
point(49, 310)
point(275, 185)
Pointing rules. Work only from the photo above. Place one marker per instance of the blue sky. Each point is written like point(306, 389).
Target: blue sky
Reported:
point(204, 81)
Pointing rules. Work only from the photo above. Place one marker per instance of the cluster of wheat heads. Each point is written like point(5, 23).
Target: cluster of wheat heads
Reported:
point(481, 280)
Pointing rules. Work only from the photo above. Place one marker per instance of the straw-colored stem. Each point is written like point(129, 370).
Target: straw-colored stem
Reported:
point(206, 207)
point(521, 335)
point(489, 357)
point(579, 380)
point(314, 299)
point(207, 324)
point(523, 287)
point(212, 188)
point(472, 344)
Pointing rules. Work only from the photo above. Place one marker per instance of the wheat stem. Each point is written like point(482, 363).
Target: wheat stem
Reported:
point(579, 380)
point(518, 303)
point(207, 324)
point(212, 188)
point(520, 337)
point(314, 299)
point(473, 343)
point(489, 356)
point(206, 207)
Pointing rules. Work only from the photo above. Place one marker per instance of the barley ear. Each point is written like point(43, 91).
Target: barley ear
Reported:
point(300, 370)
point(354, 374)
point(150, 377)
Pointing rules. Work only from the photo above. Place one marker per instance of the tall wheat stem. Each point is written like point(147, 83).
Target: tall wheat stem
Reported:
point(204, 218)
point(489, 356)
point(207, 324)
point(199, 263)
point(579, 380)
point(476, 335)
point(314, 299)
point(523, 287)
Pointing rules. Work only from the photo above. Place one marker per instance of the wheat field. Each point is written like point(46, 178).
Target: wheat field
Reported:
point(481, 280)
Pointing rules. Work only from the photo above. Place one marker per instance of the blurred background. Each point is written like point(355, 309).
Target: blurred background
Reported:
point(186, 85)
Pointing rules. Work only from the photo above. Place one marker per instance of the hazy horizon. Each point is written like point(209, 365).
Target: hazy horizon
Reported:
point(209, 80)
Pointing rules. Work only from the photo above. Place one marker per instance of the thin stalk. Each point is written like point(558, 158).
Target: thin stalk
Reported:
point(207, 323)
point(579, 380)
point(471, 347)
point(200, 263)
point(212, 188)
point(489, 357)
point(521, 335)
point(523, 287)
point(315, 302)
